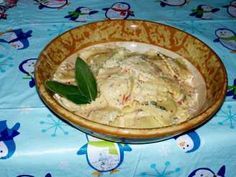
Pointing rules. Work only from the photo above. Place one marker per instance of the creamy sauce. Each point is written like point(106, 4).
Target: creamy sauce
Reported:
point(139, 85)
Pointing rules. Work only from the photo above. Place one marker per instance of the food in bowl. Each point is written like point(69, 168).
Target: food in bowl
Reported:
point(170, 42)
point(139, 85)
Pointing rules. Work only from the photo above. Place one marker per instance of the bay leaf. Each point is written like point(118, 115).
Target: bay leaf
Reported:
point(85, 79)
point(70, 92)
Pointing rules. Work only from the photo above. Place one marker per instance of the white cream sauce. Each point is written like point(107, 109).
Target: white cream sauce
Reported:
point(139, 85)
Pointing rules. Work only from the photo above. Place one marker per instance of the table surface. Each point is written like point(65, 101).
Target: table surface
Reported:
point(34, 142)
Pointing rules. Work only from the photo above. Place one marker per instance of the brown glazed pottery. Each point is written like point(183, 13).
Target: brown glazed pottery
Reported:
point(167, 37)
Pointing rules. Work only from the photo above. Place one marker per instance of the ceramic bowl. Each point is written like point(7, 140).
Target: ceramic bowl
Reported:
point(167, 37)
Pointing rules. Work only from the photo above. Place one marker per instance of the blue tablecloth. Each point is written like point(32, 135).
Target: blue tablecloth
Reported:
point(34, 142)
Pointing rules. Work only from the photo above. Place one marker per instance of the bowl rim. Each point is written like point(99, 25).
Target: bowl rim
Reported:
point(124, 132)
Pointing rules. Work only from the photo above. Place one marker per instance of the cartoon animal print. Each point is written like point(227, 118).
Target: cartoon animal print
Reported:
point(204, 11)
point(231, 8)
point(206, 172)
point(16, 38)
point(118, 10)
point(47, 175)
point(164, 3)
point(53, 4)
point(27, 67)
point(227, 38)
point(103, 156)
point(188, 142)
point(231, 91)
point(80, 14)
point(7, 144)
point(3, 14)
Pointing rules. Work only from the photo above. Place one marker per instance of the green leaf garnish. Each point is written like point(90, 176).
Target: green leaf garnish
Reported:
point(86, 89)
point(68, 91)
point(85, 79)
